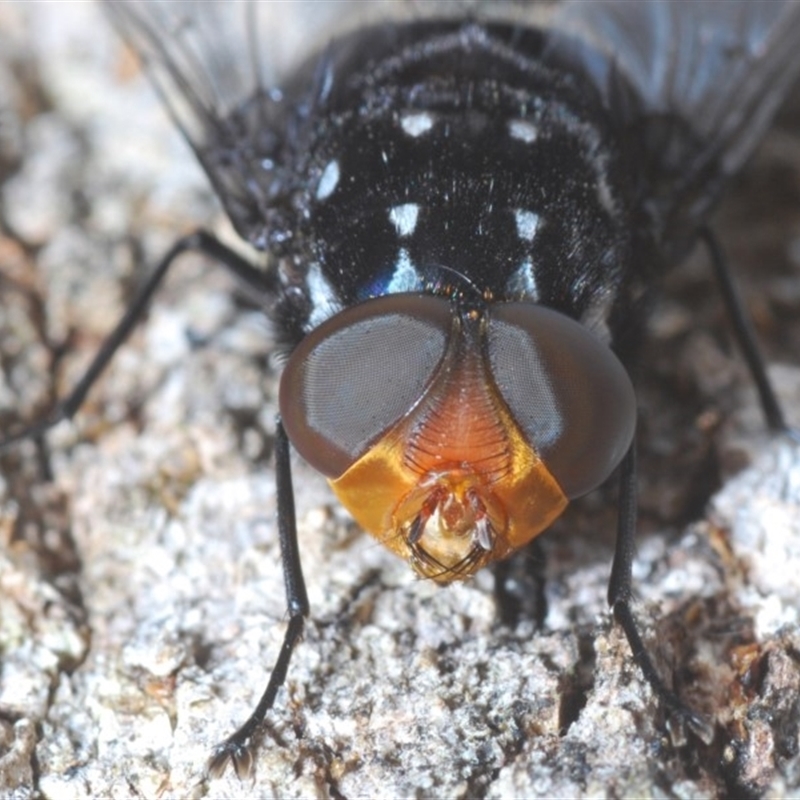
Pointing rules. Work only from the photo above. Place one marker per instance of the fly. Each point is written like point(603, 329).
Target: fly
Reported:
point(462, 217)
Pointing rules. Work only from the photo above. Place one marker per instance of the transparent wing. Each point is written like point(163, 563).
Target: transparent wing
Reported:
point(707, 79)
point(219, 66)
point(208, 58)
point(723, 66)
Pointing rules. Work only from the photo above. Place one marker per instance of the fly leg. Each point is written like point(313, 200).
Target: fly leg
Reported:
point(620, 596)
point(199, 241)
point(519, 586)
point(745, 336)
point(238, 748)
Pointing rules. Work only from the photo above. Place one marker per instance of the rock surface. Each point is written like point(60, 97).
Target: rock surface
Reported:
point(141, 599)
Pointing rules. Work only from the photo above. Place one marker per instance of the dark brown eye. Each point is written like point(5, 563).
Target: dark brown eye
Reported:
point(352, 378)
point(566, 390)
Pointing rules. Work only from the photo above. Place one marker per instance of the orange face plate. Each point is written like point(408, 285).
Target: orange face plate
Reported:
point(454, 485)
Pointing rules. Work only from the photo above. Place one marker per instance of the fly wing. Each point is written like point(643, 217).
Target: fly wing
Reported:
point(219, 68)
point(201, 78)
point(707, 77)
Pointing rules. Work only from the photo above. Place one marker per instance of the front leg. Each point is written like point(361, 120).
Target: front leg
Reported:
point(238, 747)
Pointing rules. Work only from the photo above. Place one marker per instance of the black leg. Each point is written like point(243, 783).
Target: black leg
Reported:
point(238, 748)
point(620, 596)
point(519, 586)
point(199, 241)
point(745, 335)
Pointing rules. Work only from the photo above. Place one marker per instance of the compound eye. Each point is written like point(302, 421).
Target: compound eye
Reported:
point(566, 390)
point(355, 376)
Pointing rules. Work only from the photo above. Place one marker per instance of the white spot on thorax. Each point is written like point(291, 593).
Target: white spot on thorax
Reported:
point(324, 300)
point(328, 181)
point(527, 223)
point(404, 218)
point(405, 277)
point(604, 195)
point(523, 131)
point(416, 124)
point(522, 282)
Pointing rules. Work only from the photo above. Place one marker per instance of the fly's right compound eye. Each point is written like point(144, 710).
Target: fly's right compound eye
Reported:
point(351, 379)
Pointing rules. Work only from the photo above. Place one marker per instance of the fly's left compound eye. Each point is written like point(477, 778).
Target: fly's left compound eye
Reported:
point(352, 378)
point(565, 389)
